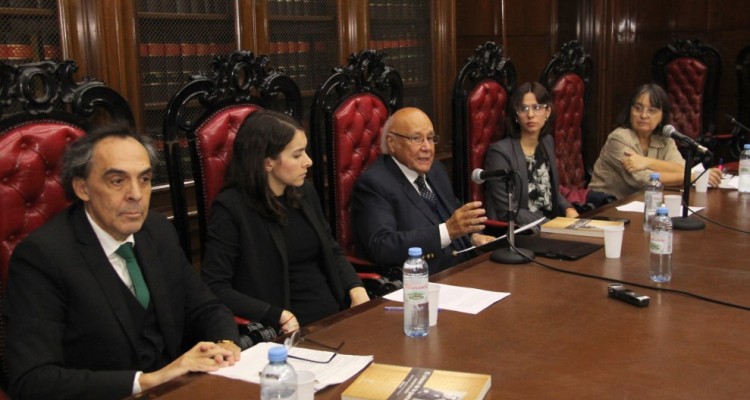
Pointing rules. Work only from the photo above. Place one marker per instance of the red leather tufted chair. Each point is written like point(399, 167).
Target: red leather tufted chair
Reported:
point(207, 112)
point(566, 77)
point(348, 114)
point(46, 111)
point(689, 71)
point(480, 98)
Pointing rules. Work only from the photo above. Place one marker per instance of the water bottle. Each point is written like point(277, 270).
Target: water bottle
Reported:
point(416, 292)
point(652, 199)
point(660, 244)
point(278, 379)
point(744, 184)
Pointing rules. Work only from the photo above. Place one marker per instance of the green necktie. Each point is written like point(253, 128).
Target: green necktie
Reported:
point(139, 284)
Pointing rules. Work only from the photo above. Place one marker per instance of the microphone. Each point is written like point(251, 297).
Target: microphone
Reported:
point(670, 131)
point(736, 123)
point(479, 175)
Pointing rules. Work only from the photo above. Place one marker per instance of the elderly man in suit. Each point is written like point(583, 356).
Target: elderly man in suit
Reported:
point(101, 298)
point(404, 199)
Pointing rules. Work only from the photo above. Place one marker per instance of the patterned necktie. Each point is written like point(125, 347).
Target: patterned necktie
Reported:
point(425, 192)
point(139, 284)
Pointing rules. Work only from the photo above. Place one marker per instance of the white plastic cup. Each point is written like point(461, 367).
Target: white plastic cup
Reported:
point(434, 298)
point(674, 205)
point(305, 385)
point(613, 240)
point(701, 185)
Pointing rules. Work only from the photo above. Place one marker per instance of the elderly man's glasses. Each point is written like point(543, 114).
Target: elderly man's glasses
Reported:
point(638, 109)
point(525, 108)
point(418, 140)
point(297, 337)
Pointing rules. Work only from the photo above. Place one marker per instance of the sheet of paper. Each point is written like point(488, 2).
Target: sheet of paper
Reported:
point(341, 367)
point(637, 206)
point(729, 181)
point(461, 299)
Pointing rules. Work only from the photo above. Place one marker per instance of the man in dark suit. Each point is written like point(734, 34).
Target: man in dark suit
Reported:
point(87, 320)
point(404, 200)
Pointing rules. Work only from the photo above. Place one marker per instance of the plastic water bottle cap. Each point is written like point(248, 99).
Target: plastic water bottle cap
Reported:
point(277, 353)
point(655, 175)
point(662, 210)
point(415, 252)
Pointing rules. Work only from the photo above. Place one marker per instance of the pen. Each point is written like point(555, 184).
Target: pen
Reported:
point(721, 165)
point(397, 308)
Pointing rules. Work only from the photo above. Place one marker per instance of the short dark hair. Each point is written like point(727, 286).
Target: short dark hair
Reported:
point(656, 96)
point(77, 158)
point(263, 134)
point(542, 97)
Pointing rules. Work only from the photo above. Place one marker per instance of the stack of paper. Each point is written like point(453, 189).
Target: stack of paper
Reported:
point(341, 367)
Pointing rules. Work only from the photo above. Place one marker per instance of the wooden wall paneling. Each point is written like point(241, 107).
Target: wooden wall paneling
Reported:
point(530, 43)
point(444, 71)
point(248, 12)
point(476, 22)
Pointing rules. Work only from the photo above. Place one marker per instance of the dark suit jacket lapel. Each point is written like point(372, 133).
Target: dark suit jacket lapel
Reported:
point(278, 238)
point(148, 260)
point(410, 192)
point(110, 283)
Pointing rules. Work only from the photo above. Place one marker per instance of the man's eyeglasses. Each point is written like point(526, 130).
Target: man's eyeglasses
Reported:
point(525, 108)
point(297, 337)
point(418, 140)
point(638, 109)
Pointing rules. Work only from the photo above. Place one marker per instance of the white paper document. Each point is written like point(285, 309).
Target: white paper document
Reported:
point(637, 206)
point(341, 367)
point(461, 299)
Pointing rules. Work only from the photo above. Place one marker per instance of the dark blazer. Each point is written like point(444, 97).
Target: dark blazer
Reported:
point(508, 154)
point(389, 216)
point(69, 330)
point(245, 260)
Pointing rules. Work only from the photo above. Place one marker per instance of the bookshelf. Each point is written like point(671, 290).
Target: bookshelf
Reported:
point(178, 39)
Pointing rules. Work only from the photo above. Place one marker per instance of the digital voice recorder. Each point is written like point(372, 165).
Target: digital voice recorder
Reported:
point(620, 292)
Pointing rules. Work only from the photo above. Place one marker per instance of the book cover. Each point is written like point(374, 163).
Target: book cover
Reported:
point(577, 226)
point(392, 382)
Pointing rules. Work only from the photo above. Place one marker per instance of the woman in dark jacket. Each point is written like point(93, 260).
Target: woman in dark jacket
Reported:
point(269, 255)
point(529, 150)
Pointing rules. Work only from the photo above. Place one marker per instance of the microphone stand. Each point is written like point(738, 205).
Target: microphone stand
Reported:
point(684, 223)
point(511, 255)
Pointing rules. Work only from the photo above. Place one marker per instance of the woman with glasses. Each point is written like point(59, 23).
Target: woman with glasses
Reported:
point(636, 148)
point(270, 255)
point(529, 150)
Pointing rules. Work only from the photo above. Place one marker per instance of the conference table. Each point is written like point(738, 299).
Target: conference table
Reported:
point(558, 335)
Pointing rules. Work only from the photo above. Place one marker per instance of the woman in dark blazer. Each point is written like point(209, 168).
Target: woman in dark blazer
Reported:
point(269, 255)
point(529, 150)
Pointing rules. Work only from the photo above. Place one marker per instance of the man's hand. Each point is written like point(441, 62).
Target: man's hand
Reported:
point(465, 220)
point(203, 357)
point(479, 239)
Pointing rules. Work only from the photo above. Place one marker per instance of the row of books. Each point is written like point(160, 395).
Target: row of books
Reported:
point(399, 9)
point(307, 63)
point(187, 6)
point(20, 52)
point(302, 7)
point(28, 3)
point(168, 66)
point(408, 55)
